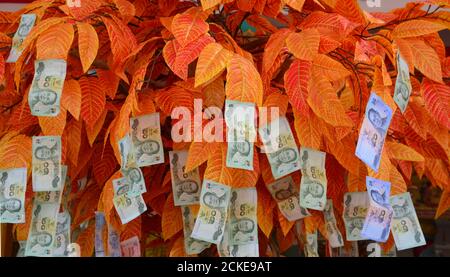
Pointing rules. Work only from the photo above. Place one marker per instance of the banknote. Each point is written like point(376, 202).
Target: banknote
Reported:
point(405, 224)
point(286, 195)
point(130, 169)
point(131, 247)
point(212, 216)
point(146, 140)
point(120, 186)
point(242, 216)
point(313, 186)
point(44, 97)
point(241, 133)
point(226, 249)
point(191, 246)
point(113, 242)
point(403, 86)
point(379, 215)
point(27, 22)
point(280, 147)
point(100, 224)
point(21, 251)
point(13, 184)
point(129, 207)
point(186, 186)
point(73, 250)
point(354, 215)
point(42, 233)
point(54, 197)
point(373, 249)
point(334, 235)
point(373, 132)
point(311, 245)
point(62, 240)
point(46, 160)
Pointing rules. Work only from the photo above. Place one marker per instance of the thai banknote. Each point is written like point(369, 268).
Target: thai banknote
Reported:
point(13, 184)
point(54, 197)
point(129, 207)
point(227, 249)
point(191, 246)
point(130, 169)
point(62, 240)
point(27, 22)
point(241, 134)
point(186, 186)
point(120, 186)
point(286, 195)
point(311, 245)
point(243, 226)
point(354, 215)
point(100, 224)
point(46, 160)
point(374, 249)
point(73, 250)
point(46, 89)
point(21, 251)
point(379, 215)
point(313, 185)
point(113, 243)
point(403, 86)
point(146, 140)
point(280, 147)
point(42, 233)
point(131, 247)
point(212, 216)
point(373, 132)
point(405, 224)
point(334, 235)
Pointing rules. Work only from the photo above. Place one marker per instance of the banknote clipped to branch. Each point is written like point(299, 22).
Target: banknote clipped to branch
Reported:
point(162, 128)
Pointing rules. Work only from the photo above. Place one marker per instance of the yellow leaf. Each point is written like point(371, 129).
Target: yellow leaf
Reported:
point(211, 63)
point(415, 28)
point(304, 45)
point(243, 81)
point(87, 44)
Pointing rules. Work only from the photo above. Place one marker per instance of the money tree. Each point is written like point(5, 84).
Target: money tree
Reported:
point(78, 71)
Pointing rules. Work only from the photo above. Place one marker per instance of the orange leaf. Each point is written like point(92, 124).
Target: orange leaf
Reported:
point(265, 210)
point(402, 152)
point(350, 9)
point(60, 38)
point(273, 48)
point(437, 100)
point(324, 102)
point(304, 45)
point(426, 59)
point(285, 225)
point(86, 8)
point(439, 171)
point(344, 152)
point(296, 81)
point(198, 154)
point(329, 68)
point(172, 221)
point(87, 44)
point(73, 134)
point(93, 100)
point(132, 229)
point(398, 184)
point(296, 4)
point(415, 28)
point(178, 248)
point(243, 81)
point(211, 63)
point(53, 126)
point(444, 203)
point(71, 98)
point(214, 93)
point(189, 26)
point(86, 240)
point(207, 4)
point(308, 133)
point(106, 163)
point(16, 151)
